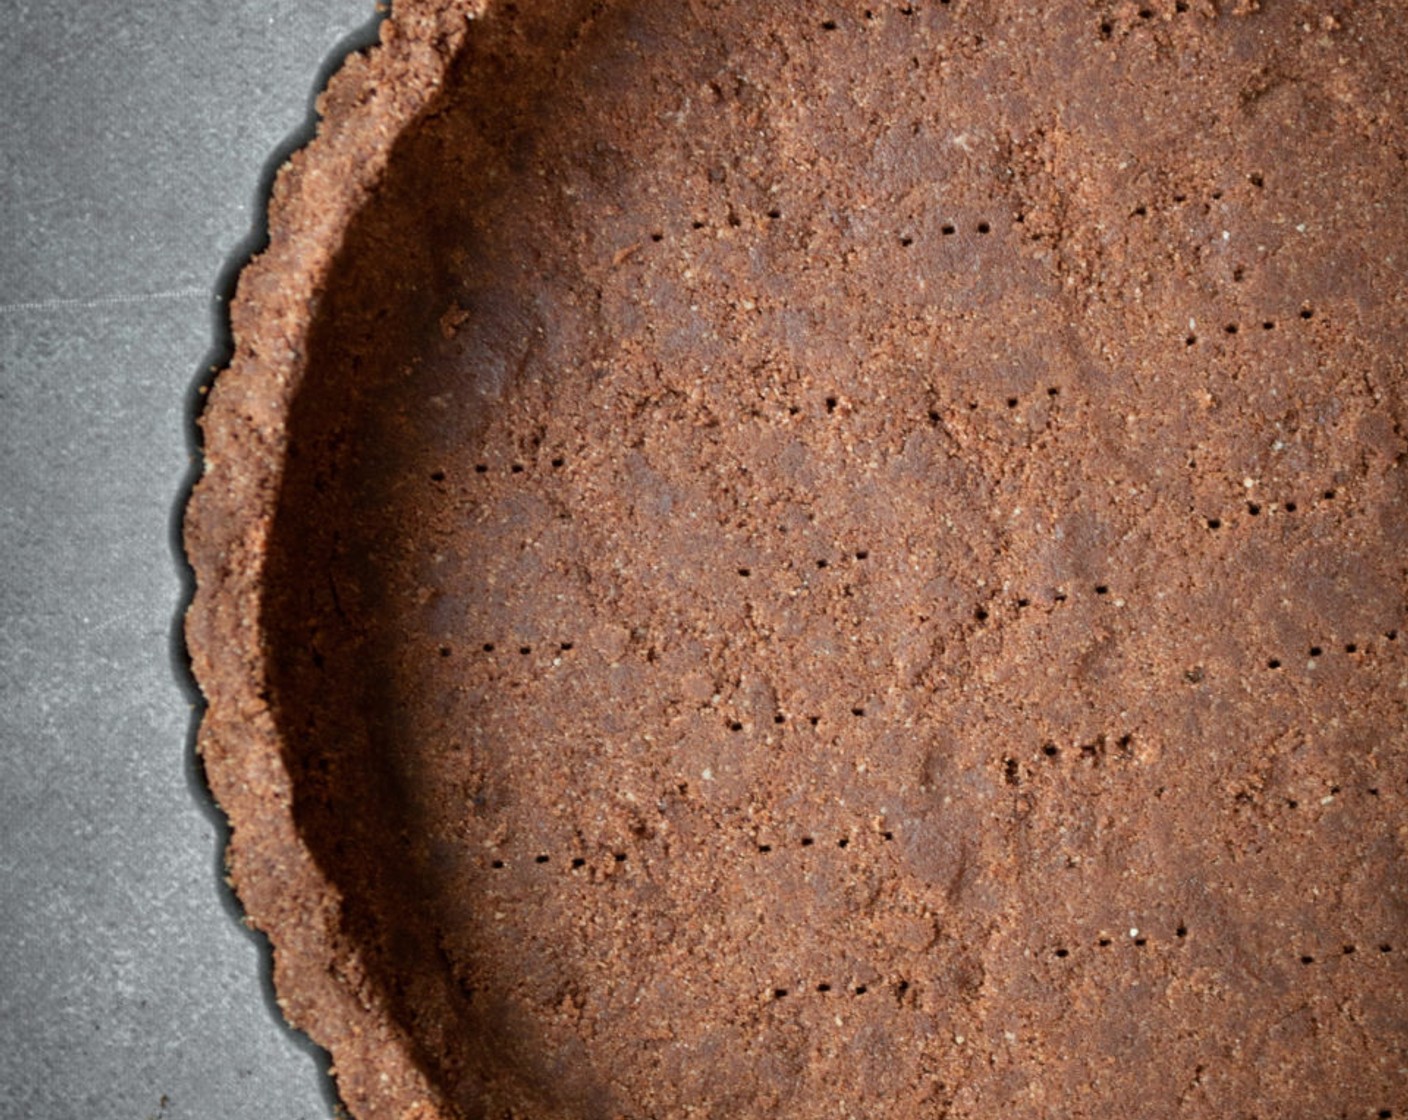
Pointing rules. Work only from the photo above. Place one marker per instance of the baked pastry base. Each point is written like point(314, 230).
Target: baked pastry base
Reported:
point(826, 562)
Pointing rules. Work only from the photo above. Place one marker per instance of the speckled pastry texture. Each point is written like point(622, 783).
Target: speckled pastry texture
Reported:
point(828, 561)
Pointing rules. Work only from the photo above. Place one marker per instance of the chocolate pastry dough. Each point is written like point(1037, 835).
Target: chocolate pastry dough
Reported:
point(828, 560)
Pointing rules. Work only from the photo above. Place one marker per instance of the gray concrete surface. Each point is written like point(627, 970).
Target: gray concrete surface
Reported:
point(135, 155)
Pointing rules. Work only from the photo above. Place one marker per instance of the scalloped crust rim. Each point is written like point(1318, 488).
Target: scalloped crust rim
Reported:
point(368, 104)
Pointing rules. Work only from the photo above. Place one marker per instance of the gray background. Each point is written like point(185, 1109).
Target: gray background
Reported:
point(136, 151)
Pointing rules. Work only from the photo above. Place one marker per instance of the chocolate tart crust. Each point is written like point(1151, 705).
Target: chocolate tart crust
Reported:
point(827, 561)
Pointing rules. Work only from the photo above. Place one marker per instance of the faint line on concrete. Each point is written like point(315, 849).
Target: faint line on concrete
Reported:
point(107, 301)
